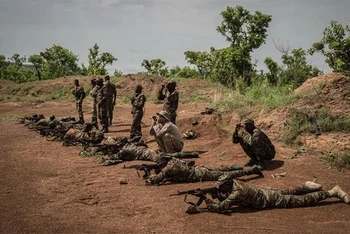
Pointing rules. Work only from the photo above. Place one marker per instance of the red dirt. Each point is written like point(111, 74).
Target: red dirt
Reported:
point(48, 188)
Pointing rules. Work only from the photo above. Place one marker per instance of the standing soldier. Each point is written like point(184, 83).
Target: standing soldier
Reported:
point(93, 94)
point(137, 102)
point(111, 98)
point(101, 99)
point(171, 99)
point(79, 94)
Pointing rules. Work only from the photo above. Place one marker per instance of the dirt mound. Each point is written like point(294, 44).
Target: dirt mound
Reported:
point(330, 90)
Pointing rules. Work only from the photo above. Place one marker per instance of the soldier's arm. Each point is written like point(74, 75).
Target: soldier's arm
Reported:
point(236, 136)
point(161, 95)
point(221, 207)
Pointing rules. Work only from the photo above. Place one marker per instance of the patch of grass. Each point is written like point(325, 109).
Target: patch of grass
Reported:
point(340, 161)
point(89, 153)
point(308, 121)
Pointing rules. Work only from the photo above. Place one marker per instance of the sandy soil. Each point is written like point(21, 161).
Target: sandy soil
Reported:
point(48, 188)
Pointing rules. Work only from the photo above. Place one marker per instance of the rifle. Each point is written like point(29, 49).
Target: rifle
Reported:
point(44, 131)
point(313, 121)
point(146, 168)
point(213, 191)
point(108, 148)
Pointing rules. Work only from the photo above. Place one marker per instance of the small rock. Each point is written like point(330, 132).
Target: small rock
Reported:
point(123, 181)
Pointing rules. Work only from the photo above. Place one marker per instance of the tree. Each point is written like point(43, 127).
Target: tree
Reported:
point(155, 67)
point(245, 32)
point(97, 63)
point(17, 61)
point(117, 73)
point(58, 62)
point(335, 46)
point(274, 71)
point(37, 61)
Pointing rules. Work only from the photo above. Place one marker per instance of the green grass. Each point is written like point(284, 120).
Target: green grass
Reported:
point(303, 121)
point(341, 161)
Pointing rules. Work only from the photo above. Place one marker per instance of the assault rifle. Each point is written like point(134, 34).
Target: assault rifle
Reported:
point(313, 121)
point(108, 148)
point(46, 131)
point(213, 191)
point(146, 168)
point(34, 118)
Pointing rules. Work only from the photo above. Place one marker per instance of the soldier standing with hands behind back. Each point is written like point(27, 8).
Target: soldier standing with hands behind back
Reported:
point(171, 99)
point(137, 102)
point(111, 98)
point(79, 94)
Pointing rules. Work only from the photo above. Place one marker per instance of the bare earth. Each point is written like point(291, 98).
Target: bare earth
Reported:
point(48, 188)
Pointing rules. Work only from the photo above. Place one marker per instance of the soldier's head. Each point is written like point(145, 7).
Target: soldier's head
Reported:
point(170, 86)
point(138, 89)
point(52, 117)
point(249, 124)
point(76, 82)
point(99, 82)
point(163, 117)
point(93, 82)
point(107, 78)
point(225, 183)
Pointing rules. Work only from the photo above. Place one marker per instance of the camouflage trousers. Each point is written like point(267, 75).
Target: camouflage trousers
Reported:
point(244, 194)
point(79, 108)
point(103, 115)
point(169, 144)
point(131, 152)
point(94, 111)
point(177, 171)
point(110, 109)
point(136, 124)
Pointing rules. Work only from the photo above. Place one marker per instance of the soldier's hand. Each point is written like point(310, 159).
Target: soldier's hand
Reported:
point(238, 126)
point(200, 194)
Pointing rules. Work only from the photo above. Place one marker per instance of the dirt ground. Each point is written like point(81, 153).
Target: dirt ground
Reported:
point(48, 188)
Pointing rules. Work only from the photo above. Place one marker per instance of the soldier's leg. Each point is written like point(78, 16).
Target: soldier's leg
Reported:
point(278, 200)
point(104, 119)
point(171, 144)
point(239, 173)
point(110, 110)
point(136, 125)
point(205, 174)
point(80, 111)
point(308, 187)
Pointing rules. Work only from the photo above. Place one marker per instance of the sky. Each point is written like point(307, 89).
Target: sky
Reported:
point(134, 30)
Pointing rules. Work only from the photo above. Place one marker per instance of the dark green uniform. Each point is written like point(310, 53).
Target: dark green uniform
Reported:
point(138, 102)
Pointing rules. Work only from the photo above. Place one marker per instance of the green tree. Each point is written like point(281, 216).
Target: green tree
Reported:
point(98, 62)
point(58, 62)
point(335, 46)
point(296, 69)
point(37, 62)
point(17, 61)
point(2, 66)
point(274, 71)
point(245, 32)
point(185, 72)
point(155, 67)
point(118, 73)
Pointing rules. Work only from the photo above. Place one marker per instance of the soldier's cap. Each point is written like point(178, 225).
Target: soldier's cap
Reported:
point(139, 86)
point(248, 121)
point(172, 82)
point(164, 114)
point(107, 77)
point(222, 180)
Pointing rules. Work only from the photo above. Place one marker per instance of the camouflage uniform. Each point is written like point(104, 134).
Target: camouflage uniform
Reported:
point(178, 171)
point(138, 103)
point(171, 102)
point(102, 107)
point(257, 146)
point(48, 123)
point(243, 194)
point(130, 152)
point(78, 92)
point(111, 98)
point(76, 135)
point(93, 94)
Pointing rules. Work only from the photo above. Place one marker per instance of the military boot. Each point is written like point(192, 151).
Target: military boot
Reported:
point(256, 170)
point(339, 193)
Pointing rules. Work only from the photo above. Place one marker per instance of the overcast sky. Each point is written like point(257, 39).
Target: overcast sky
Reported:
point(134, 30)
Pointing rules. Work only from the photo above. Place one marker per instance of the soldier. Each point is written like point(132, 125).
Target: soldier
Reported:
point(171, 99)
point(137, 102)
point(79, 94)
point(178, 171)
point(102, 107)
point(51, 122)
point(238, 193)
point(93, 94)
point(133, 151)
point(82, 136)
point(254, 142)
point(111, 98)
point(167, 134)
